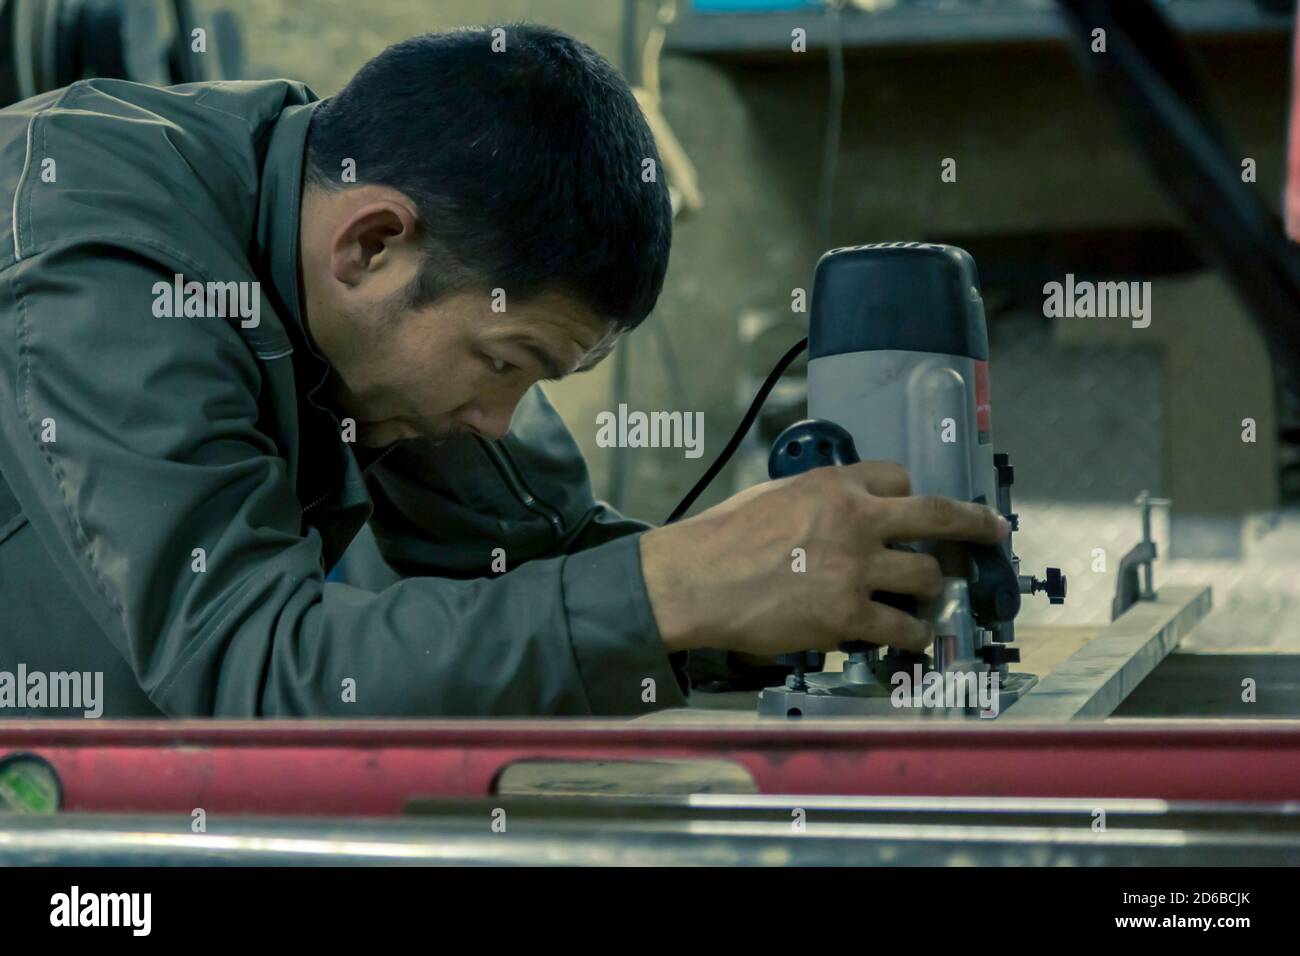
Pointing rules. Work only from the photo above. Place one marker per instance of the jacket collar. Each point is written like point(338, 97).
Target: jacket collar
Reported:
point(278, 212)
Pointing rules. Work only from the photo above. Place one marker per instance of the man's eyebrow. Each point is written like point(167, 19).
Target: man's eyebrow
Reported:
point(551, 366)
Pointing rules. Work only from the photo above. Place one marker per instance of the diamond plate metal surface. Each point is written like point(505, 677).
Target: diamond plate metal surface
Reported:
point(1082, 423)
point(1085, 428)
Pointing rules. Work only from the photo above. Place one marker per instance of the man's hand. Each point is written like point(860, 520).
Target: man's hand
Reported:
point(725, 578)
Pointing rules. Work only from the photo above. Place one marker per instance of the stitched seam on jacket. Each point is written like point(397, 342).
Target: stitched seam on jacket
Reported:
point(12, 525)
point(568, 633)
point(24, 406)
point(16, 212)
point(22, 178)
point(216, 85)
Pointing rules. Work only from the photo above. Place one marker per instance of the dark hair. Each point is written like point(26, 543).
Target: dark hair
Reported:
point(525, 165)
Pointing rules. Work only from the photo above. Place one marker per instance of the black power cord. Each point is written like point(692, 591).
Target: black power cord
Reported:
point(741, 430)
point(830, 155)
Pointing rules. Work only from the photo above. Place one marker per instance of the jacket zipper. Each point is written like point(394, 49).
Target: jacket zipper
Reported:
point(506, 466)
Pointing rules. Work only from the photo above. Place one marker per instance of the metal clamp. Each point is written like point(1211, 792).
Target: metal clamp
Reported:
point(1133, 580)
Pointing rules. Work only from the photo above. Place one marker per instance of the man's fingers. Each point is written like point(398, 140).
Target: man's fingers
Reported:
point(906, 573)
point(897, 628)
point(885, 479)
point(879, 623)
point(933, 516)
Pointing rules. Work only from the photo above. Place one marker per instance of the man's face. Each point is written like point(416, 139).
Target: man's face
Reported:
point(457, 366)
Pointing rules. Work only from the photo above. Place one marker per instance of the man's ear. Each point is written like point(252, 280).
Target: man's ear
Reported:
point(373, 237)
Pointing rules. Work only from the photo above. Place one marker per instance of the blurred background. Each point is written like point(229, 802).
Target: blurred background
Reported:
point(776, 153)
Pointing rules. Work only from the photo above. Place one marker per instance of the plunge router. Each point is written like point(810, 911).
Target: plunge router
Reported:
point(898, 371)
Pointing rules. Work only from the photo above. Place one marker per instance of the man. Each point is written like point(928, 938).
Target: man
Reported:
point(236, 323)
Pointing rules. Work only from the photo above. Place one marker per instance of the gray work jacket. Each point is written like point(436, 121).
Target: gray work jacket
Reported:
point(172, 497)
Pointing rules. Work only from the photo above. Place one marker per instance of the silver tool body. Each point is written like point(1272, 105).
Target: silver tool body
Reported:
point(898, 371)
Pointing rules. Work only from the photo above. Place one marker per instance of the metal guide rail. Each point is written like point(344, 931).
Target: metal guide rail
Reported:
point(714, 830)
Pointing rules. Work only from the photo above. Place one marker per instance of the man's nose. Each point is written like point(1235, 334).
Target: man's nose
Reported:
point(491, 419)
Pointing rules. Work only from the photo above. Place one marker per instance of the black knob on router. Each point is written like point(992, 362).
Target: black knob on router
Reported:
point(995, 655)
point(1053, 585)
point(811, 443)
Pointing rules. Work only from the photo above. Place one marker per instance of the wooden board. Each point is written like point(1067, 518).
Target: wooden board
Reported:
point(1095, 680)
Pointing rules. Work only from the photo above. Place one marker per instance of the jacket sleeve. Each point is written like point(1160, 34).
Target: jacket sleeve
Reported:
point(472, 508)
point(132, 443)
